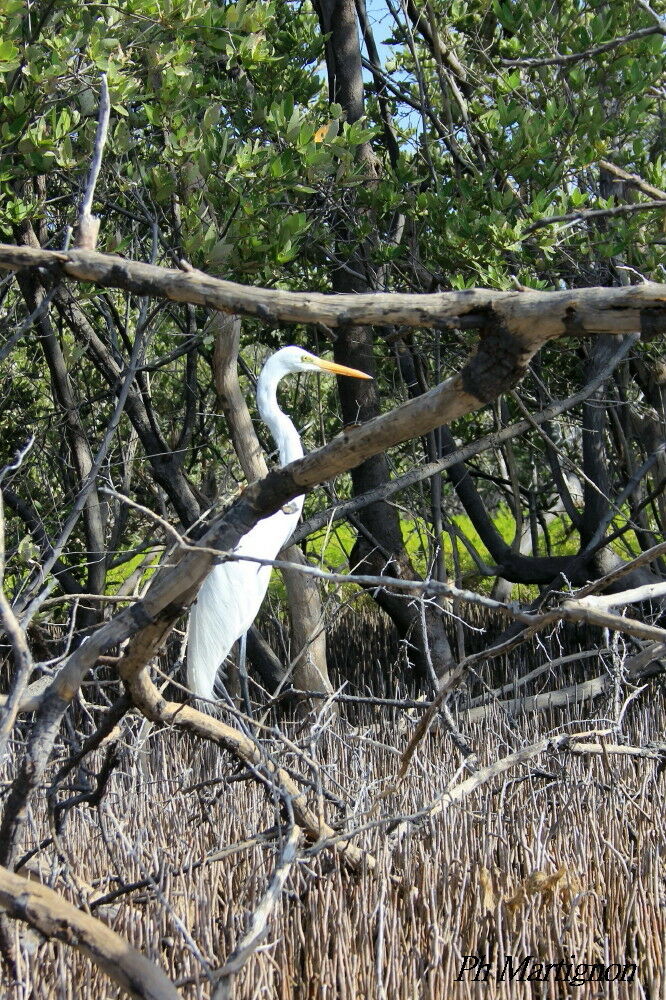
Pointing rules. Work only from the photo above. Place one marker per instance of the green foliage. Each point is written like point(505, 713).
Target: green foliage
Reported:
point(224, 150)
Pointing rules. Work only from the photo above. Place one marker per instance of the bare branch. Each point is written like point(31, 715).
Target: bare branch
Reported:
point(148, 700)
point(28, 607)
point(26, 323)
point(605, 581)
point(642, 665)
point(259, 923)
point(22, 669)
point(648, 592)
point(573, 743)
point(574, 57)
point(634, 179)
point(18, 458)
point(583, 214)
point(54, 917)
point(88, 223)
point(580, 311)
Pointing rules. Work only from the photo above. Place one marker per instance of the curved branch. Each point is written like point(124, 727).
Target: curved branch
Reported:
point(574, 57)
point(54, 917)
point(150, 702)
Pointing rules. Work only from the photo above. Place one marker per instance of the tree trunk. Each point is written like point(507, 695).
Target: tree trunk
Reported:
point(379, 547)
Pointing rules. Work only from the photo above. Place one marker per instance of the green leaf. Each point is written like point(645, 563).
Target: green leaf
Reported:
point(27, 551)
point(8, 51)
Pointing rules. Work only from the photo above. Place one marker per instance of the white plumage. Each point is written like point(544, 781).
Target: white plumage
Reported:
point(231, 595)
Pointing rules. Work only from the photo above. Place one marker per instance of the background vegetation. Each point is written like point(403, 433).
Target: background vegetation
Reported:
point(400, 147)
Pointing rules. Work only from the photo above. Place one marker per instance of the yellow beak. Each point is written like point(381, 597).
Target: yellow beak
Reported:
point(335, 369)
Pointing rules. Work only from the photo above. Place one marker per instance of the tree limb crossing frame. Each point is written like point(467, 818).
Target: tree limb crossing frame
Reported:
point(514, 326)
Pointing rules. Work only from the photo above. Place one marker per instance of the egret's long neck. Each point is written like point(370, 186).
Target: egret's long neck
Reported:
point(284, 433)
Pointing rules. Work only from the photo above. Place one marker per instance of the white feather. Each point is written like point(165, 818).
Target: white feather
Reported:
point(231, 596)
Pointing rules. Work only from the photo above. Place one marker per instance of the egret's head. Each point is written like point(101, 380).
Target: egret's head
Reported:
point(295, 359)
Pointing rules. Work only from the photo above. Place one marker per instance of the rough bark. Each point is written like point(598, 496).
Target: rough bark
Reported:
point(507, 318)
point(54, 917)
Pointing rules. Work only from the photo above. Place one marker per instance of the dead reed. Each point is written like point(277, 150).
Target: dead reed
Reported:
point(560, 858)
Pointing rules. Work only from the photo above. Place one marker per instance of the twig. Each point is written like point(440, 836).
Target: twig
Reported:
point(26, 323)
point(259, 922)
point(89, 223)
point(573, 743)
point(18, 458)
point(574, 57)
point(87, 486)
point(596, 213)
point(109, 722)
point(145, 883)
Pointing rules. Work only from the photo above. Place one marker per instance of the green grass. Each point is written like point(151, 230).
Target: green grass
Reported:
point(331, 550)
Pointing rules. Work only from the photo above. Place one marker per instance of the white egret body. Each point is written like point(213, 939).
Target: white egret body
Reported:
point(231, 595)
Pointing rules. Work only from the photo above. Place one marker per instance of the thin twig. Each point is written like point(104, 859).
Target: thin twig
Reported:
point(583, 214)
point(259, 922)
point(574, 57)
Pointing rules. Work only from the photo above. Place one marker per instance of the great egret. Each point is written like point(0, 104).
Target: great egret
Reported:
point(231, 595)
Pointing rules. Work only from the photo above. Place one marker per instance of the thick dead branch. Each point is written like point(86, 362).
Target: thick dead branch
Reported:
point(648, 592)
point(54, 917)
point(585, 611)
point(536, 316)
point(635, 180)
